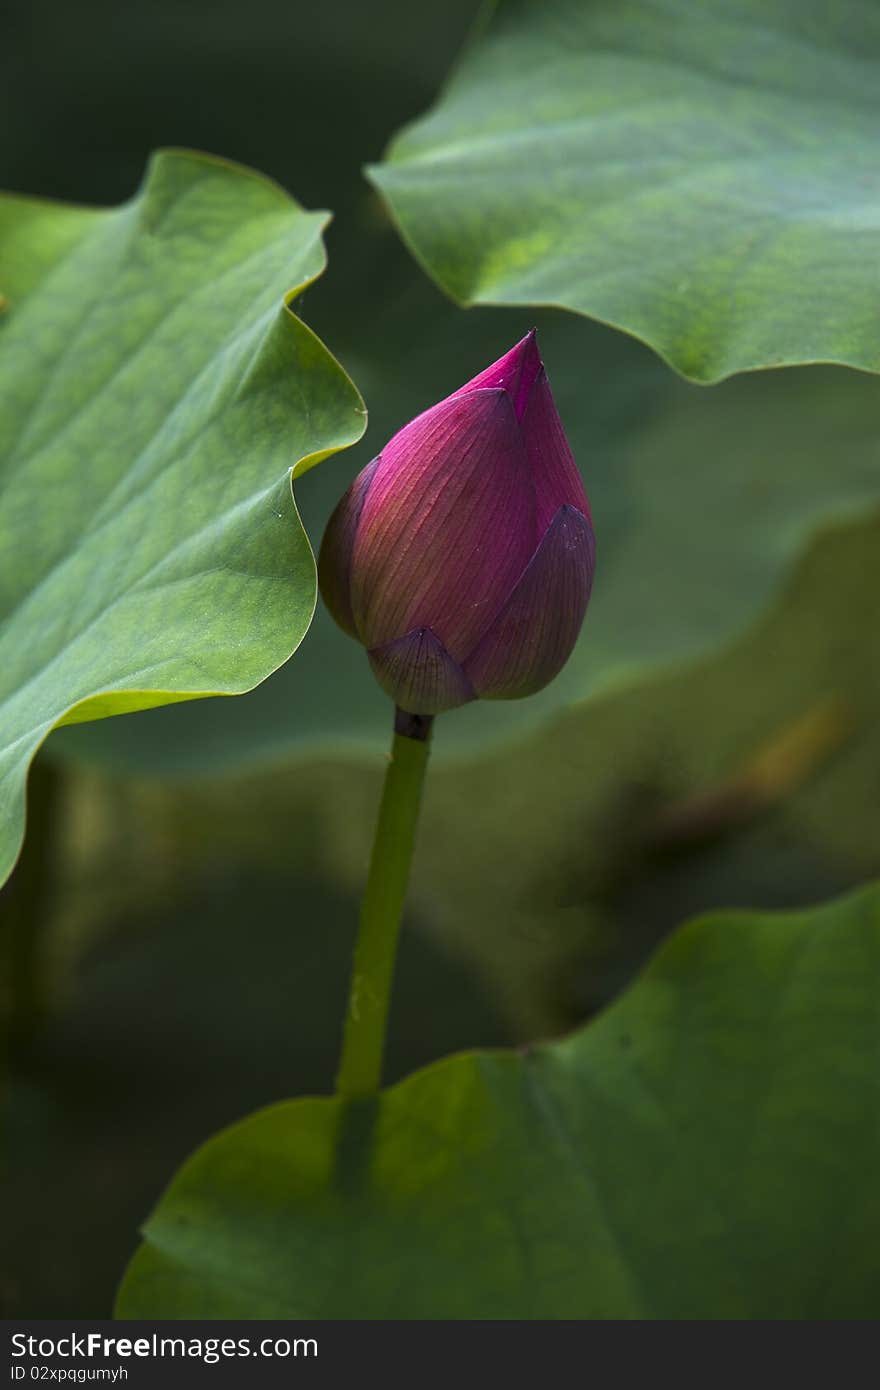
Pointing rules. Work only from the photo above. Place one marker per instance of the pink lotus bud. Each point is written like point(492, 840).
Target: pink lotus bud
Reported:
point(462, 557)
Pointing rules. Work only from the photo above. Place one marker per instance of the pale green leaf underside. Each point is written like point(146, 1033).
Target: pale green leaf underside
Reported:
point(707, 1148)
point(155, 393)
point(700, 173)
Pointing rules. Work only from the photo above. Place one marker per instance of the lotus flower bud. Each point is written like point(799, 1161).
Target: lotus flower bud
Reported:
point(462, 556)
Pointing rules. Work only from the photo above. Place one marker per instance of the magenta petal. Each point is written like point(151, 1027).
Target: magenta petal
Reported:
point(337, 547)
point(448, 524)
point(515, 372)
point(557, 480)
point(532, 637)
point(418, 673)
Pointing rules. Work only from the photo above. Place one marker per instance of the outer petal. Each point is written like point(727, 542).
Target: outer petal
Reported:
point(557, 480)
point(448, 524)
point(516, 372)
point(418, 673)
point(337, 546)
point(532, 637)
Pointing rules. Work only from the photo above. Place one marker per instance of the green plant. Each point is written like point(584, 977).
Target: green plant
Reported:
point(699, 176)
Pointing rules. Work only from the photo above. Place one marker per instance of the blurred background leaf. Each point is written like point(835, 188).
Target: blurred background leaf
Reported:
point(155, 392)
point(705, 1149)
point(698, 172)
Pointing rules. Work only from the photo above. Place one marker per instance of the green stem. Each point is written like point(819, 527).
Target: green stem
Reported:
point(363, 1044)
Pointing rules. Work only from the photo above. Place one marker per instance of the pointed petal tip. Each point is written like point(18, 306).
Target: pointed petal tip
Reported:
point(529, 371)
point(515, 373)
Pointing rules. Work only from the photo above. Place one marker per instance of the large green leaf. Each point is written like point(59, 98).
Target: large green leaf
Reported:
point(701, 173)
point(708, 1148)
point(703, 501)
point(155, 392)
